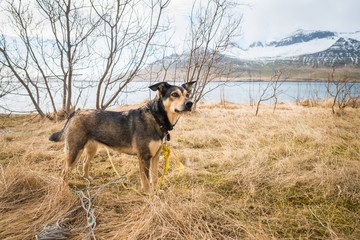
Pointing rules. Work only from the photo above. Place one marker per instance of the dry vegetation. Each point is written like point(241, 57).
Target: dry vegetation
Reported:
point(292, 174)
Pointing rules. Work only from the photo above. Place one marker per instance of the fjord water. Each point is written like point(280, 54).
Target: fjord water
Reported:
point(137, 92)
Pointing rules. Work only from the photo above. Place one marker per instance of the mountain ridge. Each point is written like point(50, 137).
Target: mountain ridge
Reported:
point(310, 48)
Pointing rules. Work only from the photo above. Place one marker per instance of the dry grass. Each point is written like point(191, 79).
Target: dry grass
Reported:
point(294, 174)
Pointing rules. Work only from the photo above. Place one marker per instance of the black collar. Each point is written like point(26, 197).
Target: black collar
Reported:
point(161, 118)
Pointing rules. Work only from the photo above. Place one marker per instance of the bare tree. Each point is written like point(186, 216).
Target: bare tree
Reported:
point(341, 90)
point(251, 90)
point(6, 86)
point(270, 91)
point(19, 57)
point(115, 37)
point(71, 26)
point(35, 60)
point(212, 29)
point(164, 69)
point(128, 30)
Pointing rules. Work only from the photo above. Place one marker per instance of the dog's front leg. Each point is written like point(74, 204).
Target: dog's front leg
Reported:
point(154, 169)
point(144, 164)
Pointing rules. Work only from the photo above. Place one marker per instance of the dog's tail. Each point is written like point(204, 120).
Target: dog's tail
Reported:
point(58, 136)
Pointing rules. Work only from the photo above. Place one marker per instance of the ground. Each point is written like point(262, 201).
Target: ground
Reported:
point(291, 174)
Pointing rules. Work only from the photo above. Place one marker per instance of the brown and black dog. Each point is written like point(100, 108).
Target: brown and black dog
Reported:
point(140, 132)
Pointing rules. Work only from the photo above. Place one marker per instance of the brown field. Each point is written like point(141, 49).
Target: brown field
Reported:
point(292, 174)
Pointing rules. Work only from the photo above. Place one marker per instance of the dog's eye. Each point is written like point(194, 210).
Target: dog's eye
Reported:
point(175, 95)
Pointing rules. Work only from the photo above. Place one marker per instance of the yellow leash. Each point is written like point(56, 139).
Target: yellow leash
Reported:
point(117, 173)
point(167, 153)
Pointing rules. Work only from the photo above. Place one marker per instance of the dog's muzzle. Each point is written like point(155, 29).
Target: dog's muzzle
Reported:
point(186, 107)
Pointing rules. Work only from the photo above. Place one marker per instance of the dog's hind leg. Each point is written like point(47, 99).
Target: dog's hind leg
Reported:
point(72, 154)
point(90, 150)
point(70, 161)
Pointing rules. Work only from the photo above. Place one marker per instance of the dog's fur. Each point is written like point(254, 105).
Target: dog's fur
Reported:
point(138, 132)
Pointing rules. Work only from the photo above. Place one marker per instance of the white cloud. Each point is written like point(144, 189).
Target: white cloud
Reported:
point(265, 20)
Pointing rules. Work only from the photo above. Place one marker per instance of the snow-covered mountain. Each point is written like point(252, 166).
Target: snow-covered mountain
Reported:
point(306, 48)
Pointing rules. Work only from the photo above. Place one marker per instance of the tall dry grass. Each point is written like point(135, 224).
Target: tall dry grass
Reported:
point(292, 174)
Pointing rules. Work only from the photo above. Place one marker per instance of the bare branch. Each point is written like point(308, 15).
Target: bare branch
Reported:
point(270, 91)
point(211, 30)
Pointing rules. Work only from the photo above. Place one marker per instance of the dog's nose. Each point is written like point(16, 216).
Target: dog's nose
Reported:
point(188, 104)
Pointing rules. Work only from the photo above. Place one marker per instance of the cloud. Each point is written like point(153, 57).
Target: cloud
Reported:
point(266, 20)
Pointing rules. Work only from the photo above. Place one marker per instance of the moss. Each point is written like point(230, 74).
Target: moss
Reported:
point(4, 155)
point(339, 149)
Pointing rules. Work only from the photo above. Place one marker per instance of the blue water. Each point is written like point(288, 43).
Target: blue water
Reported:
point(137, 92)
point(244, 92)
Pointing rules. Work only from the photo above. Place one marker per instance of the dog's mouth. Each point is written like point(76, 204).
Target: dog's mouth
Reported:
point(181, 111)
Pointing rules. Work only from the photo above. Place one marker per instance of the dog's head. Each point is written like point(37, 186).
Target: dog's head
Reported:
point(174, 98)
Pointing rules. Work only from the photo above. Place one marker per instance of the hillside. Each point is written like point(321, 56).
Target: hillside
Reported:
point(301, 56)
point(292, 174)
point(305, 48)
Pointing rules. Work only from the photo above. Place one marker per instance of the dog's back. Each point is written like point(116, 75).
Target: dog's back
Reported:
point(120, 130)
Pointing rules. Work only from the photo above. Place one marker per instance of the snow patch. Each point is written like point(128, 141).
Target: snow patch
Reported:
point(273, 53)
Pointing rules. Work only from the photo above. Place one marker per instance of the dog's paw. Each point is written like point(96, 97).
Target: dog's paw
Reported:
point(160, 192)
point(145, 192)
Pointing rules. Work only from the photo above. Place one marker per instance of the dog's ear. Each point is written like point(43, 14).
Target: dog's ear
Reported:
point(188, 86)
point(161, 87)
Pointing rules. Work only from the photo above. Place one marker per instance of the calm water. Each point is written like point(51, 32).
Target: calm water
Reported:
point(137, 92)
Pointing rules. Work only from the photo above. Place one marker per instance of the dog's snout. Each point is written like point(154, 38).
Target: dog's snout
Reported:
point(188, 104)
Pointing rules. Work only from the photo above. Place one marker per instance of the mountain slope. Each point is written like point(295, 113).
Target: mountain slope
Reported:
point(305, 48)
point(301, 36)
point(345, 51)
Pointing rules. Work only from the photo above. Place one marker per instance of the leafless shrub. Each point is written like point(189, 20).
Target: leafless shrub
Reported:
point(7, 87)
point(270, 91)
point(212, 29)
point(128, 30)
point(343, 91)
point(59, 41)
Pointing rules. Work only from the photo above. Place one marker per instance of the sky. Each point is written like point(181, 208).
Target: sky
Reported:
point(266, 20)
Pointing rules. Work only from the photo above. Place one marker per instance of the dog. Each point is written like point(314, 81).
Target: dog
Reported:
point(140, 132)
